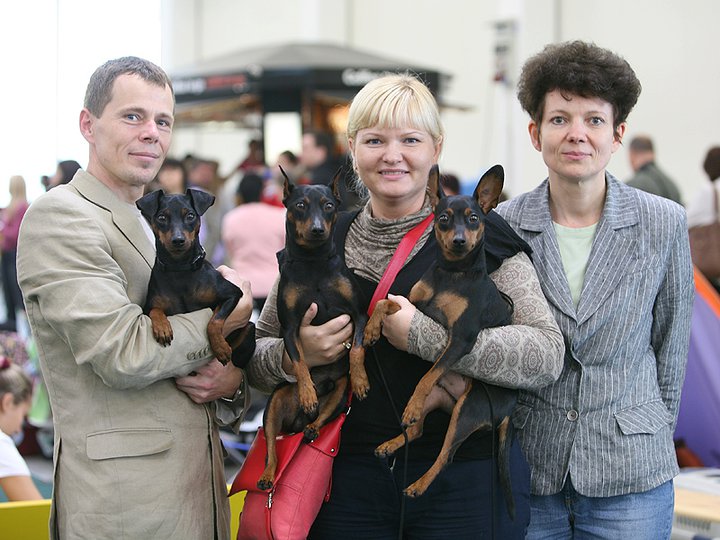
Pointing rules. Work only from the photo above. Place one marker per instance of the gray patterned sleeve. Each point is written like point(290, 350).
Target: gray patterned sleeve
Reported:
point(527, 354)
point(265, 369)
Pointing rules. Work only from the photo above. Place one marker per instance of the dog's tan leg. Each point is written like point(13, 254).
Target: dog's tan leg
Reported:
point(220, 347)
point(373, 328)
point(358, 375)
point(306, 388)
point(453, 439)
point(272, 424)
point(388, 448)
point(330, 404)
point(415, 407)
point(162, 330)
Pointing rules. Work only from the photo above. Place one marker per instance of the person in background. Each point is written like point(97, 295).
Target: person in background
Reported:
point(10, 220)
point(171, 178)
point(395, 136)
point(203, 175)
point(254, 161)
point(704, 206)
point(614, 264)
point(450, 184)
point(137, 449)
point(318, 157)
point(648, 176)
point(64, 173)
point(321, 162)
point(15, 401)
point(252, 233)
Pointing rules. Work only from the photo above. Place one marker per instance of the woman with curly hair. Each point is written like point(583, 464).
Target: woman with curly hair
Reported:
point(614, 264)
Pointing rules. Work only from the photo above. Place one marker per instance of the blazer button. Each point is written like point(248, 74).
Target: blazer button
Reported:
point(572, 415)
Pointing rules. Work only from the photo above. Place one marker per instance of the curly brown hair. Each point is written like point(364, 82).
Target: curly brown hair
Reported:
point(580, 68)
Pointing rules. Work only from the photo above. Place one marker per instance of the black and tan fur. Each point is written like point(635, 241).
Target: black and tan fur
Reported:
point(311, 271)
point(457, 293)
point(183, 281)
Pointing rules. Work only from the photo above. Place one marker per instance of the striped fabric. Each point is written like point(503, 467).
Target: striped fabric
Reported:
point(608, 420)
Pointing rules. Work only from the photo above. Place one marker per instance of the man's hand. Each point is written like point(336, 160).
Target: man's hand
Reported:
point(210, 382)
point(242, 312)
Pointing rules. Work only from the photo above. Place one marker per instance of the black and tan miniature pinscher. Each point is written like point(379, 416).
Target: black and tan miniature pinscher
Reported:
point(311, 271)
point(457, 293)
point(182, 280)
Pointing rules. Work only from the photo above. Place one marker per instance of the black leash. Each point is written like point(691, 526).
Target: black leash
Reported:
point(406, 449)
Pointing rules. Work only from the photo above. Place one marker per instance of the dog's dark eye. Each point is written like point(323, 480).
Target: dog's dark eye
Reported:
point(473, 218)
point(300, 205)
point(190, 216)
point(329, 206)
point(443, 218)
point(162, 218)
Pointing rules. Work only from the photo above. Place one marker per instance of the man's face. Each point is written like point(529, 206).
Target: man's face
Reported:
point(131, 137)
point(312, 155)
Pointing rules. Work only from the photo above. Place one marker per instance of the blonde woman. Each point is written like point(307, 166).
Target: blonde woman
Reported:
point(395, 136)
point(9, 227)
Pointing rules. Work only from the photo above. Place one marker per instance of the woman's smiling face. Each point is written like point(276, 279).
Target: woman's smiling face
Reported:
point(394, 163)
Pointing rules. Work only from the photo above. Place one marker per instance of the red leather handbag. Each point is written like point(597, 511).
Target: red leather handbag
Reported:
point(302, 483)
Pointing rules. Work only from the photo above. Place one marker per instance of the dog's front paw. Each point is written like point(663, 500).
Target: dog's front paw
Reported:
point(264, 483)
point(385, 449)
point(411, 415)
point(415, 490)
point(360, 388)
point(308, 399)
point(371, 334)
point(221, 349)
point(311, 432)
point(163, 334)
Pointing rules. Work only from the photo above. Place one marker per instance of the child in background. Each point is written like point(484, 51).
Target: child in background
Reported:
point(15, 400)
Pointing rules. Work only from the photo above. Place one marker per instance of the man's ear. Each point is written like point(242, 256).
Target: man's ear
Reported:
point(87, 125)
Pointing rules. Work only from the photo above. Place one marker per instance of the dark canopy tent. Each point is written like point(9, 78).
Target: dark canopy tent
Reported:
point(308, 78)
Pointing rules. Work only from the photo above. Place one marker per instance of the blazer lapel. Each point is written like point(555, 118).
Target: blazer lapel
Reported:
point(540, 234)
point(123, 216)
point(613, 252)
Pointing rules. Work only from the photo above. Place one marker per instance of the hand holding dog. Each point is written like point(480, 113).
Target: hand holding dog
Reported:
point(396, 327)
point(210, 382)
point(322, 344)
point(239, 316)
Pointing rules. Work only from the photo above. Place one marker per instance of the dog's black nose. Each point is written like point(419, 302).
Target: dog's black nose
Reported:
point(459, 240)
point(178, 241)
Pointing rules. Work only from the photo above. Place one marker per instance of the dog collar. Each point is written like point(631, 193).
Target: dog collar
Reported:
point(194, 264)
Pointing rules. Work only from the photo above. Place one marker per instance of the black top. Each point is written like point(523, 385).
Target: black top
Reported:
point(372, 420)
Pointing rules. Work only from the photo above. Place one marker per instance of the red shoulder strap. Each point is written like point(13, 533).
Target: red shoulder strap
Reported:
point(397, 261)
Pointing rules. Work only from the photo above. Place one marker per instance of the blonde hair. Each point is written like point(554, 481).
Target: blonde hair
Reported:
point(17, 187)
point(395, 101)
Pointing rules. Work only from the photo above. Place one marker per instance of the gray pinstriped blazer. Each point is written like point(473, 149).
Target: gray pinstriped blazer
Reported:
point(608, 420)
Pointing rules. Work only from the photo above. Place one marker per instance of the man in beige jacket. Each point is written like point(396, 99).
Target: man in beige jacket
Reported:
point(137, 453)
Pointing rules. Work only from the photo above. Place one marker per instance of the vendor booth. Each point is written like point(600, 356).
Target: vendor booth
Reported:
point(284, 90)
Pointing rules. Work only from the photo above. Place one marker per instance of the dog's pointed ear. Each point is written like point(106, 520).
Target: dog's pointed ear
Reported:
point(335, 184)
point(487, 193)
point(202, 200)
point(434, 189)
point(287, 185)
point(148, 204)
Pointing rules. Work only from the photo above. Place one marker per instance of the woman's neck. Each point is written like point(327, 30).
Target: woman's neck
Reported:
point(389, 211)
point(577, 204)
